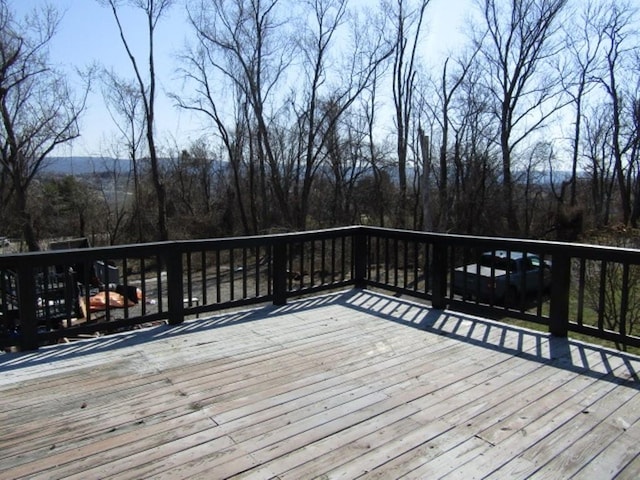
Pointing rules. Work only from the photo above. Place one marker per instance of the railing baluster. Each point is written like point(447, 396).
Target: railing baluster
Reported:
point(343, 260)
point(396, 261)
point(416, 273)
point(189, 280)
point(312, 264)
point(303, 264)
point(289, 258)
point(405, 262)
point(218, 277)
point(125, 283)
point(232, 275)
point(360, 260)
point(428, 257)
point(601, 294)
point(439, 268)
point(107, 290)
point(333, 260)
point(257, 271)
point(203, 266)
point(323, 265)
point(581, 284)
point(560, 289)
point(160, 302)
point(377, 258)
point(624, 300)
point(175, 298)
point(27, 299)
point(279, 273)
point(143, 286)
point(386, 260)
point(244, 273)
point(270, 270)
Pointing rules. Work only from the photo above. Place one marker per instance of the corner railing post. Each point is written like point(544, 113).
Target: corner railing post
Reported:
point(280, 273)
point(175, 287)
point(27, 304)
point(360, 259)
point(560, 291)
point(439, 276)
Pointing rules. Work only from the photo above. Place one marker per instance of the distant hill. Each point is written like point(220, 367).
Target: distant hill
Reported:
point(89, 165)
point(80, 165)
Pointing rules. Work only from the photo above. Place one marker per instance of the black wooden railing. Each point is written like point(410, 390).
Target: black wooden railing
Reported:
point(46, 297)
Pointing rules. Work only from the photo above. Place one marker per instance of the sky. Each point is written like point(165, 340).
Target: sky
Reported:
point(88, 35)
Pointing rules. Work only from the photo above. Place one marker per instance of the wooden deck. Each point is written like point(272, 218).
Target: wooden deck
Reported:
point(349, 385)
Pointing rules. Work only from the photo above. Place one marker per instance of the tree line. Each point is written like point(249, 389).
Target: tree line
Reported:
point(329, 112)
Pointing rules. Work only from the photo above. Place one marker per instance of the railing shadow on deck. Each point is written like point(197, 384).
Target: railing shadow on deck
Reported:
point(561, 352)
point(591, 360)
point(94, 346)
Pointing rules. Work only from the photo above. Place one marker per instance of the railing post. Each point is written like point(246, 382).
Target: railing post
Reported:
point(560, 291)
point(439, 277)
point(360, 259)
point(27, 305)
point(175, 287)
point(280, 273)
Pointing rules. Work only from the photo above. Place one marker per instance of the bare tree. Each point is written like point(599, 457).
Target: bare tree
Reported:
point(619, 42)
point(248, 48)
point(153, 11)
point(596, 148)
point(63, 206)
point(407, 28)
point(347, 151)
point(240, 53)
point(322, 108)
point(37, 107)
point(583, 45)
point(379, 200)
point(113, 184)
point(475, 159)
point(448, 93)
point(232, 132)
point(445, 91)
point(634, 147)
point(197, 190)
point(125, 105)
point(517, 45)
point(534, 214)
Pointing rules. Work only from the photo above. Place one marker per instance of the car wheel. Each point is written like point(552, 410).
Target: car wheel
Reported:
point(511, 298)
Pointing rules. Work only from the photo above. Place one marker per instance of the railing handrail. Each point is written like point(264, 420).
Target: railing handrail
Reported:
point(592, 251)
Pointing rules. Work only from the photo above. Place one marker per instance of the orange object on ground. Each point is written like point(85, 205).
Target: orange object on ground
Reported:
point(99, 301)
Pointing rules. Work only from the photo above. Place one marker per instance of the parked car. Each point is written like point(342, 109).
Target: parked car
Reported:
point(503, 277)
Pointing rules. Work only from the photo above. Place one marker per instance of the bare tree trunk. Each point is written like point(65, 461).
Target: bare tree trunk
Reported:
point(507, 183)
point(427, 222)
point(37, 110)
point(137, 212)
point(153, 9)
point(404, 80)
point(28, 231)
point(149, 103)
point(447, 97)
point(620, 35)
point(518, 42)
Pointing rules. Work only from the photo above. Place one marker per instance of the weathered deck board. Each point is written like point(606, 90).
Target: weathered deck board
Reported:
point(349, 385)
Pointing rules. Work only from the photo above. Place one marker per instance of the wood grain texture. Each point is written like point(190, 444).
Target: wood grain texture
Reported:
point(349, 385)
